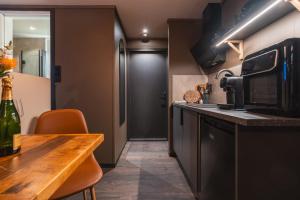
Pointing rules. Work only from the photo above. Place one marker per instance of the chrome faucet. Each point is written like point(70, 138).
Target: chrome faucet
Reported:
point(222, 71)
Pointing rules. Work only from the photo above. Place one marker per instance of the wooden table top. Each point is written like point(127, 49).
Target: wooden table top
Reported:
point(44, 163)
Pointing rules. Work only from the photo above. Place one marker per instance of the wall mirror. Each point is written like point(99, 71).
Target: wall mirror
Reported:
point(30, 33)
point(122, 81)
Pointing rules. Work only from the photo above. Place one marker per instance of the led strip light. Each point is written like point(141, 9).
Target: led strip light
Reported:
point(250, 21)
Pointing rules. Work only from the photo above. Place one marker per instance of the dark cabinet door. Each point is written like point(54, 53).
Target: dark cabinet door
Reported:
point(217, 160)
point(177, 131)
point(189, 147)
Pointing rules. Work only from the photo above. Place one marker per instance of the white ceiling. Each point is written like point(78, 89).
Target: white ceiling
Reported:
point(22, 27)
point(138, 14)
point(28, 24)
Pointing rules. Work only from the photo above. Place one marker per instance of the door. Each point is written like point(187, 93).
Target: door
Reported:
point(147, 95)
point(33, 62)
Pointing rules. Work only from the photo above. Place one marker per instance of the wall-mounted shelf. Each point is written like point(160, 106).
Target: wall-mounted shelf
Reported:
point(295, 3)
point(237, 46)
point(258, 21)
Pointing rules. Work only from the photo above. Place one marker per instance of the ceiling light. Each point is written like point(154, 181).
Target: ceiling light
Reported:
point(145, 30)
point(267, 9)
point(32, 28)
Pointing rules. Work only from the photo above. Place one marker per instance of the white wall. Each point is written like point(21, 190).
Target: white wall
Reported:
point(1, 30)
point(32, 97)
point(8, 30)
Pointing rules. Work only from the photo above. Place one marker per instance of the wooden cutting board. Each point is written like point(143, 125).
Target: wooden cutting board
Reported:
point(192, 96)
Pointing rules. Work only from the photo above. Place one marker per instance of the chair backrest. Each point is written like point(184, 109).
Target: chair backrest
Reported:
point(65, 121)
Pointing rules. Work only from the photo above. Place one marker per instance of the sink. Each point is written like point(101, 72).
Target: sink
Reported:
point(202, 105)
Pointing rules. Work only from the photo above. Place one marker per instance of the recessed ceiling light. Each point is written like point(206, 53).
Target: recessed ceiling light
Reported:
point(32, 28)
point(145, 30)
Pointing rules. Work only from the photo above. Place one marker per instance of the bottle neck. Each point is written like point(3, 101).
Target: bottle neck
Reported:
point(6, 89)
point(6, 94)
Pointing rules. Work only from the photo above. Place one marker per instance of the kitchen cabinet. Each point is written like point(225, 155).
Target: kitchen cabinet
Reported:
point(177, 131)
point(189, 147)
point(217, 160)
point(185, 135)
point(237, 155)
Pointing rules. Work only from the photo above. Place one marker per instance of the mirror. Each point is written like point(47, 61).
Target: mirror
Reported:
point(30, 33)
point(122, 81)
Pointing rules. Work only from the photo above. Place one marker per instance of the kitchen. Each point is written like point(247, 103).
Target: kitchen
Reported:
point(241, 148)
point(197, 101)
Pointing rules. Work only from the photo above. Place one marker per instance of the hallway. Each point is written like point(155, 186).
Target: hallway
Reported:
point(144, 172)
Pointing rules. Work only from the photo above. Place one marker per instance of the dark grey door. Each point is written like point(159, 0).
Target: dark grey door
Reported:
point(147, 95)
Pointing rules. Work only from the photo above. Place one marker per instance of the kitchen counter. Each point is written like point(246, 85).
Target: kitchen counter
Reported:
point(243, 118)
point(257, 151)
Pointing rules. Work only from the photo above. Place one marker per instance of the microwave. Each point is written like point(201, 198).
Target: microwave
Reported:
point(271, 79)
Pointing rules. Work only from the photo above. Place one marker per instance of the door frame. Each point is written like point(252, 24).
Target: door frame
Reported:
point(51, 10)
point(148, 50)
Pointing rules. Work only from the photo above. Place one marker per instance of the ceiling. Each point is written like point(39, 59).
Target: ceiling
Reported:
point(138, 14)
point(27, 24)
point(31, 27)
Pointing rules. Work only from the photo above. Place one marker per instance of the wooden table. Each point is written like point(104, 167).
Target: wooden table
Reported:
point(44, 163)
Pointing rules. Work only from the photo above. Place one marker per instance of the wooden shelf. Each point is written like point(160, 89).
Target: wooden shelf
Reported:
point(237, 46)
point(295, 3)
point(277, 12)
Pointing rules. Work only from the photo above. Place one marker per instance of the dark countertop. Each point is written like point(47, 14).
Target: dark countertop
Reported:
point(243, 118)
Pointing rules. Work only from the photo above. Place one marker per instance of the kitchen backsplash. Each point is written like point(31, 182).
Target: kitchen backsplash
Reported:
point(218, 95)
point(183, 83)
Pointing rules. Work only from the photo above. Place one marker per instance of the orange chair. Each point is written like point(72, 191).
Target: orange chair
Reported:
point(89, 173)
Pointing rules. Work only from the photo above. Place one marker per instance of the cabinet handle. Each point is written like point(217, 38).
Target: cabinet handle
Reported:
point(211, 136)
point(181, 117)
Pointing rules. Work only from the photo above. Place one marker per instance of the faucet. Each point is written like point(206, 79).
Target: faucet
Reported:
point(222, 71)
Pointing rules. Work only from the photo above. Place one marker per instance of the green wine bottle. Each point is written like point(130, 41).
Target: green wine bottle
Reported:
point(10, 128)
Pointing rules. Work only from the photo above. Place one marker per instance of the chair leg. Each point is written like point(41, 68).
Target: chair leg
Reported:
point(93, 193)
point(84, 195)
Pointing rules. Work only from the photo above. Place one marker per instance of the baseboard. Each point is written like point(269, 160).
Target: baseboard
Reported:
point(110, 165)
point(172, 154)
point(147, 139)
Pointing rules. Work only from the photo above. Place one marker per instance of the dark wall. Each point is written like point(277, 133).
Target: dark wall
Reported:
point(84, 47)
point(120, 130)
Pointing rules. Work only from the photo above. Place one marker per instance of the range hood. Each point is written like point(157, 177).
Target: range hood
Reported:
point(204, 53)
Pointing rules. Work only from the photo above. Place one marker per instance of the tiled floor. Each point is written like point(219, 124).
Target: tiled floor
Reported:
point(144, 172)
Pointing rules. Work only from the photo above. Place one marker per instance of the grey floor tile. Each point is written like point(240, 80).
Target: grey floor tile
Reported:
point(145, 172)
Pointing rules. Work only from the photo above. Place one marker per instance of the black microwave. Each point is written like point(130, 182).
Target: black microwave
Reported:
point(272, 79)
